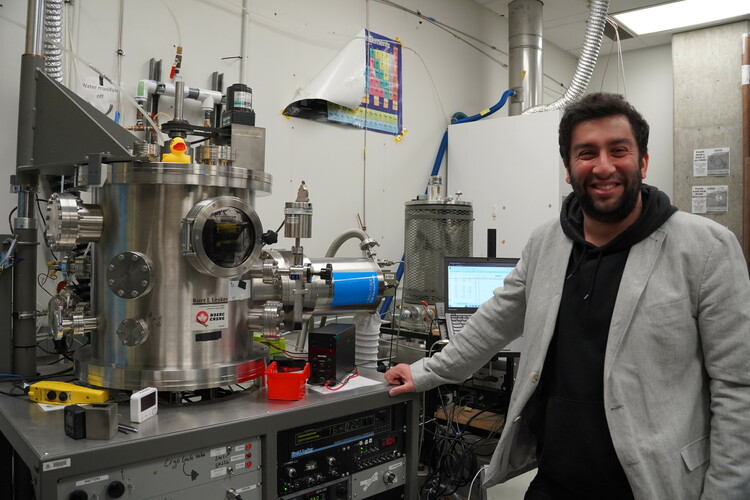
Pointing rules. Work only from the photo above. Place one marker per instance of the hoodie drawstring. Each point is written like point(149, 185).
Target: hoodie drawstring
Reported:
point(593, 276)
point(577, 264)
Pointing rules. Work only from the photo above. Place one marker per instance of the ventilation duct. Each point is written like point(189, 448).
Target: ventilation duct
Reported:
point(586, 63)
point(525, 54)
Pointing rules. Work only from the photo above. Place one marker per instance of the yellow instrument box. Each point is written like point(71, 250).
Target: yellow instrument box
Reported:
point(64, 393)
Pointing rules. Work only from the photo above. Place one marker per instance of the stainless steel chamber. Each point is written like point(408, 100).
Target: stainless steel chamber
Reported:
point(170, 307)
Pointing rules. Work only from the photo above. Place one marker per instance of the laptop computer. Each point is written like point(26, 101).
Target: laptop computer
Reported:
point(469, 282)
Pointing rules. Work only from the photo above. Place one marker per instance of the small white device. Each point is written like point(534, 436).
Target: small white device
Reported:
point(143, 404)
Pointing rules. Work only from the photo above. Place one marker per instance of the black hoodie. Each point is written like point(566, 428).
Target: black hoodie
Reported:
point(575, 452)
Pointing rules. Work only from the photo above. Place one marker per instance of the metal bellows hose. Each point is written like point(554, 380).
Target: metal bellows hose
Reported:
point(53, 21)
point(586, 63)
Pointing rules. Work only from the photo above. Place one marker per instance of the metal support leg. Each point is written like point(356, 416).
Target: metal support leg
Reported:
point(6, 468)
point(22, 487)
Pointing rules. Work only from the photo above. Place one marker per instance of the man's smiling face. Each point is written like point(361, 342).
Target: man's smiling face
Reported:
point(604, 168)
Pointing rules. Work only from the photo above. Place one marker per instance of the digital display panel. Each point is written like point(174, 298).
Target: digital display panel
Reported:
point(355, 424)
point(148, 401)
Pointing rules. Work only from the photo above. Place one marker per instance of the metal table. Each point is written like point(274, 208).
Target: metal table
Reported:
point(189, 451)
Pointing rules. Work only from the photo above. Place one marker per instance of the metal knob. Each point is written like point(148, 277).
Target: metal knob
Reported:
point(115, 489)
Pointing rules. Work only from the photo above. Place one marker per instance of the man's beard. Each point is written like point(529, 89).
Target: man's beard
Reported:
point(621, 209)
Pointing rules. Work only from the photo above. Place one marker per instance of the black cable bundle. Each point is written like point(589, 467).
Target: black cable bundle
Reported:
point(452, 463)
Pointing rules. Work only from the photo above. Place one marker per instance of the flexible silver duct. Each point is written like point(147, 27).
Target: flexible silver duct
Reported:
point(53, 20)
point(586, 63)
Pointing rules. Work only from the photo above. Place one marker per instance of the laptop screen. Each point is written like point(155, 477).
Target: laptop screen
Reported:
point(470, 281)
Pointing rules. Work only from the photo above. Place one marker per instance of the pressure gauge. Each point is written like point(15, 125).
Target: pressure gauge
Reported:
point(222, 237)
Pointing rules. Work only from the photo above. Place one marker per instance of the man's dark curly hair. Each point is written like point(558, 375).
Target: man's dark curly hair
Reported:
point(601, 105)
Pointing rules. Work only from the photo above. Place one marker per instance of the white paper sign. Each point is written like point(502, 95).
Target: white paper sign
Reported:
point(102, 97)
point(711, 162)
point(710, 199)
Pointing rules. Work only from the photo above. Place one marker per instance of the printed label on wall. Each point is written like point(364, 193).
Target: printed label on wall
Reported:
point(210, 316)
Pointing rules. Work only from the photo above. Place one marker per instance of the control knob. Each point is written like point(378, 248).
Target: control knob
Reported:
point(331, 461)
point(115, 489)
point(291, 472)
point(342, 492)
point(78, 495)
point(389, 477)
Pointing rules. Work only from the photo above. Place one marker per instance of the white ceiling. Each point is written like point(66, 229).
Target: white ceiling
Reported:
point(564, 23)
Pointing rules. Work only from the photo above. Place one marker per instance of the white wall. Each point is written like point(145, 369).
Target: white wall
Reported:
point(648, 86)
point(288, 43)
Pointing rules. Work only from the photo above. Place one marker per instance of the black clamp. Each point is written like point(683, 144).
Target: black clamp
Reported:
point(327, 274)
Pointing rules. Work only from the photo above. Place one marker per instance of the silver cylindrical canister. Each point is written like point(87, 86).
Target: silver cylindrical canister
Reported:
point(298, 219)
point(298, 215)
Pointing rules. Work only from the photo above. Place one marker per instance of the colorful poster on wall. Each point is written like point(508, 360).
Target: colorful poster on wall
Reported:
point(380, 109)
point(361, 87)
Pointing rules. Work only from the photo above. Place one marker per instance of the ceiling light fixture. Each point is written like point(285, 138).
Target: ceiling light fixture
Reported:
point(682, 14)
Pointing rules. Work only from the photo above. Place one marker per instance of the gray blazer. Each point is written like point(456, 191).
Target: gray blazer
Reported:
point(677, 363)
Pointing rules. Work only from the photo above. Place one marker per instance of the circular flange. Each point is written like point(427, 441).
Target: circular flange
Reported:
point(130, 275)
point(132, 332)
point(62, 222)
point(273, 318)
point(55, 316)
point(222, 237)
